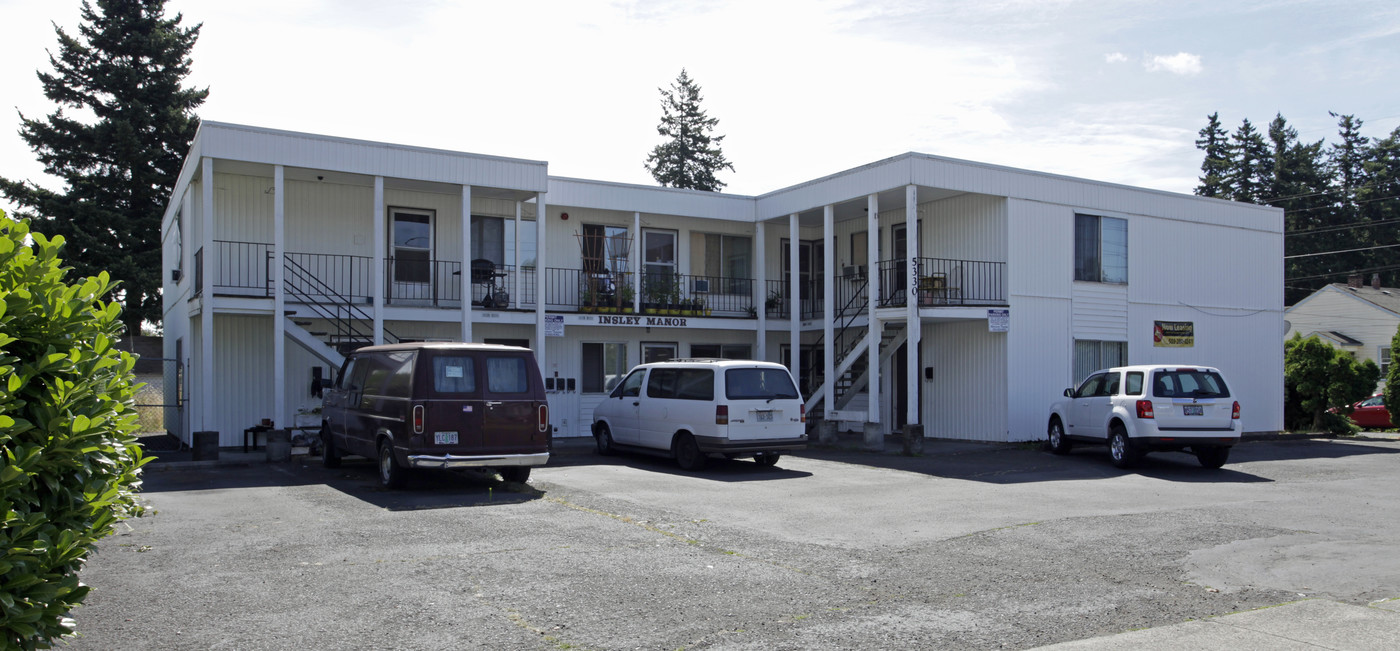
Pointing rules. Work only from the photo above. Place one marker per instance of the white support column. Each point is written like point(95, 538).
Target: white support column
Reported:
point(466, 263)
point(829, 308)
point(760, 289)
point(872, 334)
point(279, 299)
point(794, 301)
point(540, 347)
point(635, 251)
point(207, 302)
point(381, 234)
point(914, 327)
point(515, 274)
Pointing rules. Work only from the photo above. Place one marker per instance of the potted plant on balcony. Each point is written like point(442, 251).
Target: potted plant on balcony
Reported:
point(586, 300)
point(774, 302)
point(625, 296)
point(674, 295)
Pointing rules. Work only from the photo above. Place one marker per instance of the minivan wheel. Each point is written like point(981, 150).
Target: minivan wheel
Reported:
point(688, 453)
point(516, 474)
point(1121, 448)
point(391, 475)
point(1211, 457)
point(767, 459)
point(1055, 437)
point(604, 438)
point(330, 455)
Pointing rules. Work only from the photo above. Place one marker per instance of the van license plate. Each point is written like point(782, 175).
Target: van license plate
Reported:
point(763, 416)
point(445, 438)
point(1193, 410)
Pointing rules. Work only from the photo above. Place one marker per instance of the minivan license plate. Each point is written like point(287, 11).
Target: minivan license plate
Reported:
point(764, 416)
point(1193, 410)
point(445, 438)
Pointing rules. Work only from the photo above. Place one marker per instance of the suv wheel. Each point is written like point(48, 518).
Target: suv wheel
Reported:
point(1212, 457)
point(605, 441)
point(688, 453)
point(516, 474)
point(1055, 437)
point(1122, 448)
point(391, 475)
point(767, 458)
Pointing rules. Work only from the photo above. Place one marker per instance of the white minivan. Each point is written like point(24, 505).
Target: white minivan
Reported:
point(692, 409)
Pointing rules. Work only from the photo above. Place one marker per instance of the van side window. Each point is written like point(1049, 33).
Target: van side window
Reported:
point(632, 386)
point(695, 384)
point(454, 374)
point(348, 380)
point(507, 375)
point(377, 371)
point(662, 383)
point(399, 383)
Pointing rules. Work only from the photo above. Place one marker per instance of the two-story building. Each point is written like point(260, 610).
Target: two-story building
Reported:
point(917, 290)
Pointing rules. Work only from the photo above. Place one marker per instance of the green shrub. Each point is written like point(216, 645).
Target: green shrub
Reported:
point(67, 423)
point(1319, 378)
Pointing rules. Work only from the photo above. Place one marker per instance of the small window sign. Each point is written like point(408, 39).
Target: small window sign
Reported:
point(999, 320)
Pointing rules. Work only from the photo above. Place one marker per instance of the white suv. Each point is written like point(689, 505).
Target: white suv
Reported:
point(1136, 409)
point(691, 409)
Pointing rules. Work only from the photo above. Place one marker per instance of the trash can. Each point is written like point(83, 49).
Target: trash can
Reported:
point(279, 445)
point(206, 446)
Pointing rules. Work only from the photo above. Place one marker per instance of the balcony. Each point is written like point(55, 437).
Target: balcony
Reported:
point(943, 282)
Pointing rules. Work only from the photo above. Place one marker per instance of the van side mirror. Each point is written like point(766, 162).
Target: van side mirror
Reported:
point(1069, 393)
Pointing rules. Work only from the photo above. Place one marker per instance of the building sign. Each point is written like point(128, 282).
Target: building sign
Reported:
point(553, 325)
point(648, 321)
point(999, 320)
point(1173, 334)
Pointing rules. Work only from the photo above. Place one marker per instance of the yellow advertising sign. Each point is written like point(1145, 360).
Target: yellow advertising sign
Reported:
point(1173, 334)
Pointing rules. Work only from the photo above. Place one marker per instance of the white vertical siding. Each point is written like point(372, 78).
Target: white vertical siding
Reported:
point(1100, 311)
point(1039, 365)
point(243, 368)
point(966, 397)
point(965, 227)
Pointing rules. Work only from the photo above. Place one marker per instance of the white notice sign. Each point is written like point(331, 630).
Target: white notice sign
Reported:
point(998, 320)
point(553, 325)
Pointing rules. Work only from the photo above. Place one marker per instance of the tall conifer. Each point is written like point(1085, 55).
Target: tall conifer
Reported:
point(692, 156)
point(125, 68)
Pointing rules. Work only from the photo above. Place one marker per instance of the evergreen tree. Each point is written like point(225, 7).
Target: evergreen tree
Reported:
point(1251, 166)
point(1300, 184)
point(1215, 166)
point(126, 68)
point(692, 156)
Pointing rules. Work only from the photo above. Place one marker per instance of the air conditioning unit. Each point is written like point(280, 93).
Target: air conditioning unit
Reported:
point(848, 272)
point(702, 285)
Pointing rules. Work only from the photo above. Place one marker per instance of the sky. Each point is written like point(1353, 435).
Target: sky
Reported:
point(1110, 90)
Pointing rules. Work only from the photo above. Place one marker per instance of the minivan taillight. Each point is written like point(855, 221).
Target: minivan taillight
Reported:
point(544, 418)
point(802, 410)
point(417, 419)
point(1235, 412)
point(721, 414)
point(1144, 409)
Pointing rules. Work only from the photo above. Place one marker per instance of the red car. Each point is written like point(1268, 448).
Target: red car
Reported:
point(1371, 413)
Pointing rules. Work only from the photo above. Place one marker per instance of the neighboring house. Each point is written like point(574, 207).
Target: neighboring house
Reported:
point(977, 292)
point(1360, 319)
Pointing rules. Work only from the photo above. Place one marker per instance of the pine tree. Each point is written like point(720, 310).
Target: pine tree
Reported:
point(1299, 183)
point(1215, 167)
point(126, 67)
point(1250, 164)
point(692, 156)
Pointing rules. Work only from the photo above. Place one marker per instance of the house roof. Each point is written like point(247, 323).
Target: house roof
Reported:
point(1387, 298)
point(1341, 339)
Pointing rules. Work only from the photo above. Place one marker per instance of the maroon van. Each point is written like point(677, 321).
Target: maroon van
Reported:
point(438, 405)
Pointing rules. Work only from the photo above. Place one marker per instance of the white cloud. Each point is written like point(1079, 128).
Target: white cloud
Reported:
point(1181, 63)
point(1116, 57)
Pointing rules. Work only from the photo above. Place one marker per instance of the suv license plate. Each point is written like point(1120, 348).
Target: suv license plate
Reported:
point(763, 416)
point(445, 438)
point(1193, 410)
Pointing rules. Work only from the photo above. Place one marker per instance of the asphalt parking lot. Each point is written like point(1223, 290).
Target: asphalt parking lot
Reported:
point(966, 547)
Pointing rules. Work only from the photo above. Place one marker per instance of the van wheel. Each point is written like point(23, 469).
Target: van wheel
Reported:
point(1055, 437)
point(1121, 448)
point(330, 455)
point(391, 475)
point(516, 474)
point(605, 441)
point(768, 459)
point(688, 453)
point(1212, 457)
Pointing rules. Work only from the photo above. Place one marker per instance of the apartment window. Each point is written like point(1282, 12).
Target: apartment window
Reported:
point(721, 351)
point(1090, 356)
point(859, 250)
point(723, 259)
point(603, 365)
point(489, 239)
point(657, 352)
point(605, 249)
point(1100, 249)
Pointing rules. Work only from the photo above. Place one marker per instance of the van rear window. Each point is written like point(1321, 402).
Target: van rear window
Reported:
point(454, 374)
point(759, 384)
point(507, 375)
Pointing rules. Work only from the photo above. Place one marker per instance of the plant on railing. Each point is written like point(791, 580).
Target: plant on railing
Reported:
point(774, 303)
point(587, 299)
point(625, 294)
